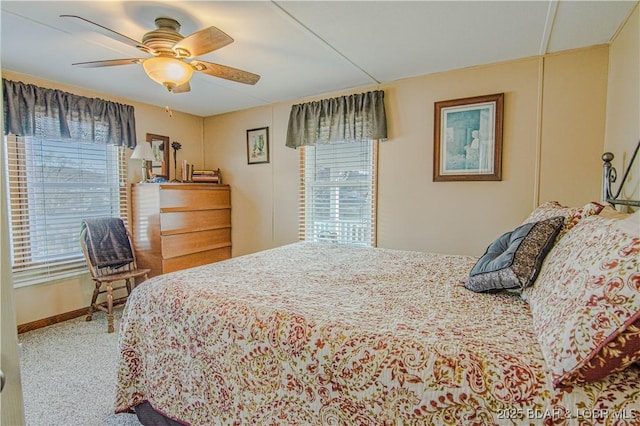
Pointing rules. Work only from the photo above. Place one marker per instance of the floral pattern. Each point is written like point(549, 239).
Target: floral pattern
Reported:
point(316, 334)
point(586, 302)
point(572, 215)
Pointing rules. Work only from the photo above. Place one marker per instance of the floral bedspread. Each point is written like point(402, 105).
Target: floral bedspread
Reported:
point(317, 334)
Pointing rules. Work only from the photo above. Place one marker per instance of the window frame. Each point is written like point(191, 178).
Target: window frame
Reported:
point(304, 193)
point(26, 269)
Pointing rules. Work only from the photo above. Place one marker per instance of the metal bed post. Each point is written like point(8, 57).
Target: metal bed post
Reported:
point(610, 175)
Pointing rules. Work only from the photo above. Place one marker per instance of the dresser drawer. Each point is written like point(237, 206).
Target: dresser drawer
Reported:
point(196, 198)
point(195, 259)
point(178, 222)
point(191, 242)
point(179, 225)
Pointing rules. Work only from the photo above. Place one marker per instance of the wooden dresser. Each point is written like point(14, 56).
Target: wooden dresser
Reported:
point(179, 225)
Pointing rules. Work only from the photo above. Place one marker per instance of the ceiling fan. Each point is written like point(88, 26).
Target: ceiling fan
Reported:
point(170, 50)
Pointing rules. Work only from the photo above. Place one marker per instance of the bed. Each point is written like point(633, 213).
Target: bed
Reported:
point(312, 333)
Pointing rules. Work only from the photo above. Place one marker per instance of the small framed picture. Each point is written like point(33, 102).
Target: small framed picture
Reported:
point(468, 139)
point(258, 145)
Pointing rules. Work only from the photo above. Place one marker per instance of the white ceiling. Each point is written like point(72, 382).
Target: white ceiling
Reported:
point(300, 48)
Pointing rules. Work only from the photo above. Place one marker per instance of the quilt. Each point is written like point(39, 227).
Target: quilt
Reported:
point(316, 334)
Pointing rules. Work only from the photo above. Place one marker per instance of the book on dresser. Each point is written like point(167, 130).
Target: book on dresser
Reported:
point(180, 225)
point(209, 176)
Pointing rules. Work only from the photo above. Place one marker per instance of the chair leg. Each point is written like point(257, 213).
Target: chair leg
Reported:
point(93, 302)
point(110, 328)
point(128, 283)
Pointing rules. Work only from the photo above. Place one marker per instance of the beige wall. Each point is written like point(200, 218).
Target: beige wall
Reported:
point(623, 103)
point(546, 124)
point(264, 197)
point(574, 101)
point(416, 213)
point(45, 300)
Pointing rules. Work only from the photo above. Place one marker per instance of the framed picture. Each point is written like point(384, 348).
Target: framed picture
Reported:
point(468, 139)
point(159, 167)
point(258, 145)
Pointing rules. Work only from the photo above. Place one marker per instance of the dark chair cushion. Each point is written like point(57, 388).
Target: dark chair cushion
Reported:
point(513, 260)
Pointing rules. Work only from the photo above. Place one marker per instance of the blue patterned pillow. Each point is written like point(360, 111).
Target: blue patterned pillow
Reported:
point(513, 260)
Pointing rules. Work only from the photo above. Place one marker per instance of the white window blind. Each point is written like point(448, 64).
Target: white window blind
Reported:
point(338, 193)
point(53, 185)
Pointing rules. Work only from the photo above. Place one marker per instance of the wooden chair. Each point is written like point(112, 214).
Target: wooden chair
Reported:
point(106, 244)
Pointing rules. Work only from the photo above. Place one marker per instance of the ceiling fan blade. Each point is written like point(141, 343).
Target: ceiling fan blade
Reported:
point(225, 72)
point(109, 63)
point(115, 35)
point(182, 89)
point(201, 42)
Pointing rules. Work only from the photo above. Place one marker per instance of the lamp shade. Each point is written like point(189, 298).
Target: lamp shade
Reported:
point(143, 151)
point(169, 72)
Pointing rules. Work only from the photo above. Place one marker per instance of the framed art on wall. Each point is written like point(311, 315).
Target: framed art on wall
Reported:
point(468, 139)
point(160, 146)
point(258, 145)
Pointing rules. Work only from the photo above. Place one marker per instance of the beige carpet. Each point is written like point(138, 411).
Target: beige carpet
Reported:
point(69, 373)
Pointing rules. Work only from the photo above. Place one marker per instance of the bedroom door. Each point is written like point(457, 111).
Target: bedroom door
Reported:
point(12, 412)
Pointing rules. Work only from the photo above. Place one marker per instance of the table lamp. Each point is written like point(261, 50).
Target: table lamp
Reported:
point(143, 152)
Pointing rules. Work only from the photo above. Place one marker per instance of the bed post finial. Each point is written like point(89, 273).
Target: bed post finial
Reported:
point(609, 175)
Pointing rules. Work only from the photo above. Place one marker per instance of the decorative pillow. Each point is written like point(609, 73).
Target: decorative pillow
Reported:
point(513, 260)
point(631, 224)
point(586, 302)
point(572, 214)
point(611, 213)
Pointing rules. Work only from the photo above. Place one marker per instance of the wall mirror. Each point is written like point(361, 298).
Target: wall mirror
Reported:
point(159, 167)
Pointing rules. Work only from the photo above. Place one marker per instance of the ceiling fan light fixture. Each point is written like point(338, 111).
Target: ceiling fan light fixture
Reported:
point(169, 72)
point(170, 48)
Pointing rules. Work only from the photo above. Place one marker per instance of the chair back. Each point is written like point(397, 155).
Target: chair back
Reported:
point(106, 244)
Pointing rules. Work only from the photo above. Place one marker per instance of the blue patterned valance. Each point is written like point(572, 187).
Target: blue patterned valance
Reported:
point(34, 111)
point(347, 118)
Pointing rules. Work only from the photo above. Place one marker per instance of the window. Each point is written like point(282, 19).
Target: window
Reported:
point(52, 186)
point(338, 193)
